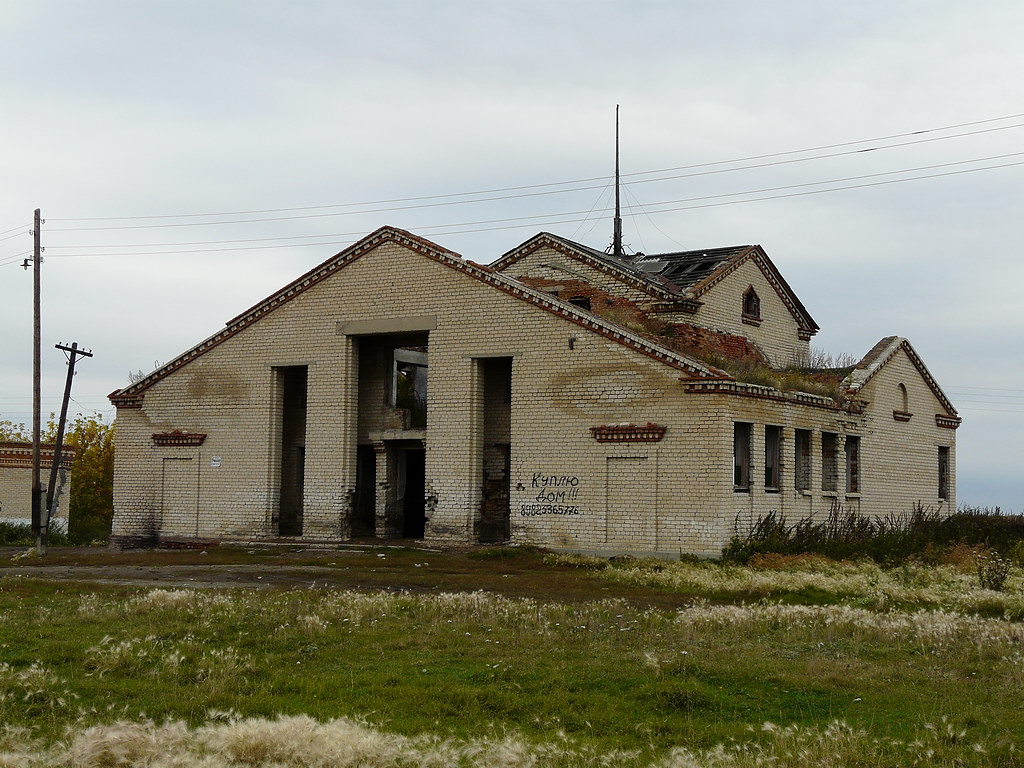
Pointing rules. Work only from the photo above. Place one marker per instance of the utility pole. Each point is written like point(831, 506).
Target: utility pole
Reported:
point(73, 354)
point(617, 225)
point(37, 486)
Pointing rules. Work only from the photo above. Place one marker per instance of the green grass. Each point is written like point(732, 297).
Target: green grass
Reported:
point(609, 674)
point(686, 654)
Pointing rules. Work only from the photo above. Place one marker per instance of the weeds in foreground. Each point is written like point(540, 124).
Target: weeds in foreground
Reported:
point(993, 571)
point(20, 535)
point(923, 534)
point(817, 579)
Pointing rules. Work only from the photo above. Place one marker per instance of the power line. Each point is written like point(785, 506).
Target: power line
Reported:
point(486, 199)
point(21, 226)
point(14, 259)
point(532, 221)
point(989, 410)
point(569, 213)
point(16, 234)
point(994, 389)
point(561, 183)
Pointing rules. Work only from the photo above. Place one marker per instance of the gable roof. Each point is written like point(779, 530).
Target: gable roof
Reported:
point(622, 269)
point(757, 254)
point(671, 276)
point(879, 355)
point(131, 395)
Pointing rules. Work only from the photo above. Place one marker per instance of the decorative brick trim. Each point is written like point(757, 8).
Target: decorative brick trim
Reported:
point(689, 306)
point(125, 401)
point(730, 387)
point(628, 433)
point(132, 395)
point(948, 422)
point(18, 455)
point(751, 320)
point(901, 415)
point(177, 437)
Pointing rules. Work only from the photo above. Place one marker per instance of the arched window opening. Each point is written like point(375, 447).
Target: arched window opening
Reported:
point(903, 401)
point(751, 304)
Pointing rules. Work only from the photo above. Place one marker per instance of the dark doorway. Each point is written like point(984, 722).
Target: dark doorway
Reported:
point(293, 383)
point(414, 472)
point(494, 511)
point(495, 521)
point(364, 510)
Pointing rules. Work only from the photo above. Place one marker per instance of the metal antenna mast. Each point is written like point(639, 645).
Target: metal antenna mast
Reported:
point(617, 225)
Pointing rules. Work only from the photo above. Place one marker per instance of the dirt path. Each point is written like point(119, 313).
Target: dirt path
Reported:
point(514, 572)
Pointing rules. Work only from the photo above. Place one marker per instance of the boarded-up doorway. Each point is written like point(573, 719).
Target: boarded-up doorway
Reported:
point(632, 502)
point(179, 497)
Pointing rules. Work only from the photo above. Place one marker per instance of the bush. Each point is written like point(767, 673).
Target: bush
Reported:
point(922, 535)
point(993, 571)
point(20, 535)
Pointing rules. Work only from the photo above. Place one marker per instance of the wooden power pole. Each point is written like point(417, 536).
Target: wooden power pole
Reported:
point(37, 486)
point(73, 354)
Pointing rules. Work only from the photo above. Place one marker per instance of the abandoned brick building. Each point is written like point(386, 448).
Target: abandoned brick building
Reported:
point(16, 482)
point(561, 396)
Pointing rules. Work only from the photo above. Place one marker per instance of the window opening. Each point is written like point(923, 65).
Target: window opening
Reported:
point(583, 302)
point(803, 460)
point(741, 456)
point(751, 304)
point(409, 384)
point(829, 468)
point(944, 472)
point(772, 458)
point(852, 464)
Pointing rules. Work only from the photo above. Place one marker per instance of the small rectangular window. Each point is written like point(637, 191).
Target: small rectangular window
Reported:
point(829, 468)
point(852, 464)
point(772, 457)
point(944, 472)
point(741, 456)
point(803, 460)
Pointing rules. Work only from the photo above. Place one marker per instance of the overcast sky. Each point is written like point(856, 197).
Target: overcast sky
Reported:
point(129, 109)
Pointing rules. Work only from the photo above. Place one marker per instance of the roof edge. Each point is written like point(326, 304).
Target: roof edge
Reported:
point(131, 395)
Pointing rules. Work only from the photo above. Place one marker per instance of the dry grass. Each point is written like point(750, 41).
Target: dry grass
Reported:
point(862, 583)
point(303, 742)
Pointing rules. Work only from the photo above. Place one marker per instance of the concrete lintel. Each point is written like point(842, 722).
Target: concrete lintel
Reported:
point(387, 325)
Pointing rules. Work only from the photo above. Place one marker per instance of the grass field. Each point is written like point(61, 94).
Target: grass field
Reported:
point(563, 661)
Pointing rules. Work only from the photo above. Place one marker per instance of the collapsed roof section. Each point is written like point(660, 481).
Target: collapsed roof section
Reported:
point(675, 276)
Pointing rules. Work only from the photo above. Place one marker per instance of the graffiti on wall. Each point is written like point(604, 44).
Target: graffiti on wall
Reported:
point(552, 495)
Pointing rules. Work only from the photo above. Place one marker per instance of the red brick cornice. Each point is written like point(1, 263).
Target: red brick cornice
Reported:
point(628, 433)
point(19, 455)
point(178, 438)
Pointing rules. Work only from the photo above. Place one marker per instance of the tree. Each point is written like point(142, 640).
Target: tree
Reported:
point(91, 506)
